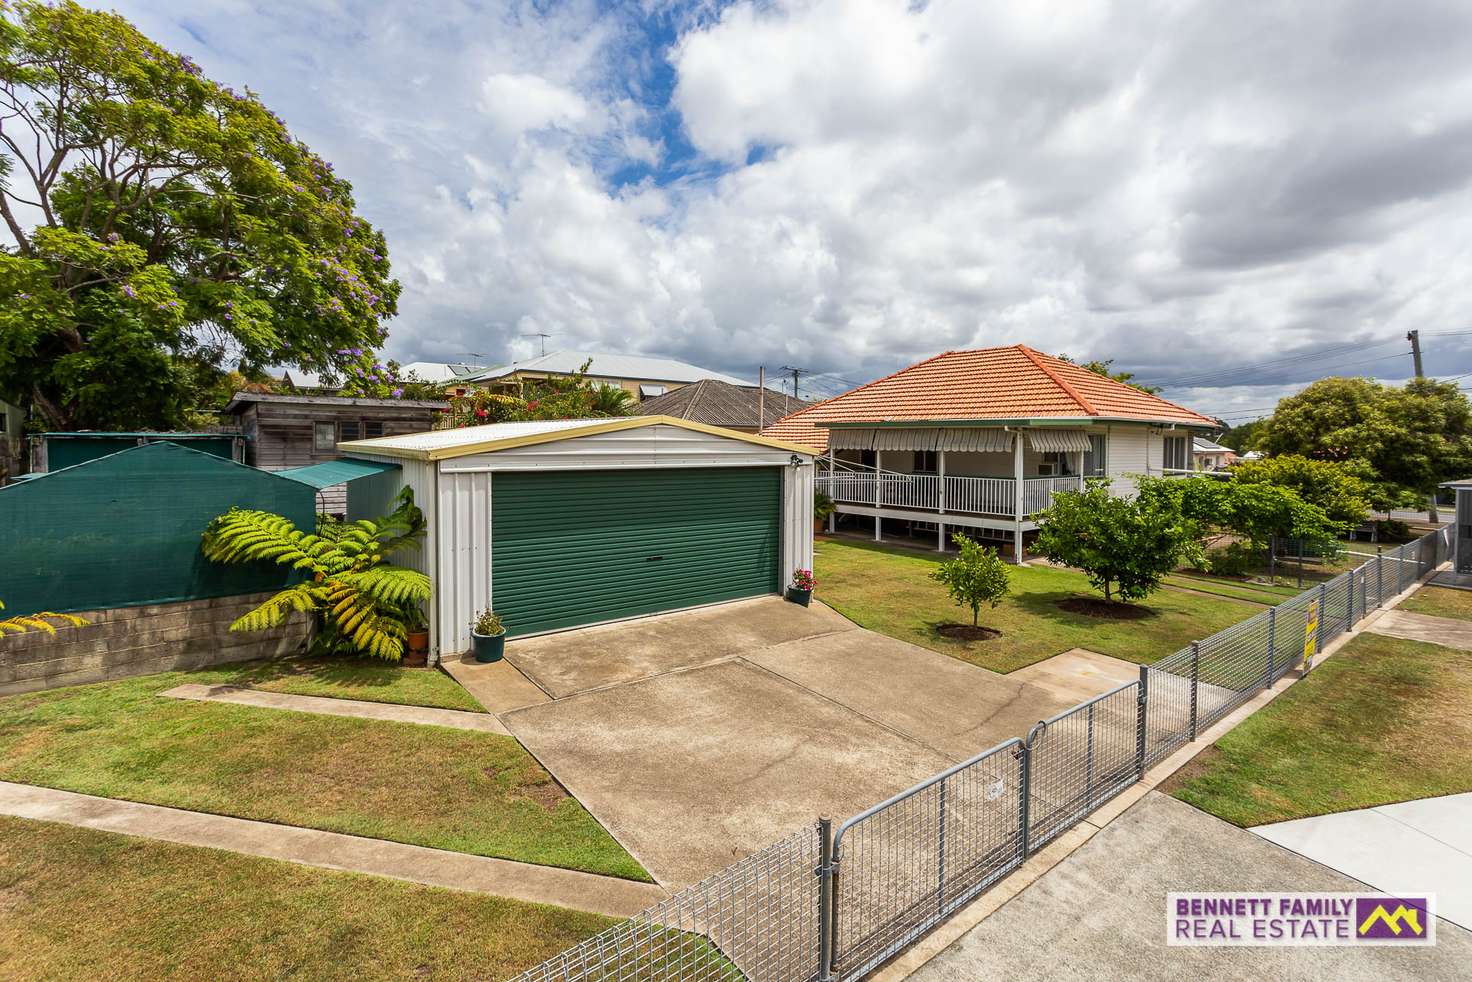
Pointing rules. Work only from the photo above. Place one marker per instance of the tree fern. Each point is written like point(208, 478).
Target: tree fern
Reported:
point(361, 600)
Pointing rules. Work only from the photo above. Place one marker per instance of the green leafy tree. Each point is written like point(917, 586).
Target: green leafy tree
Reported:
point(1254, 511)
point(1334, 488)
point(1407, 440)
point(178, 227)
point(977, 576)
point(1106, 369)
point(1125, 546)
point(363, 603)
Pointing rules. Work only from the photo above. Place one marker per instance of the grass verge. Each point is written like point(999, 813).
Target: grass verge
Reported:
point(427, 785)
point(889, 590)
point(76, 900)
point(1384, 720)
point(1440, 601)
point(367, 679)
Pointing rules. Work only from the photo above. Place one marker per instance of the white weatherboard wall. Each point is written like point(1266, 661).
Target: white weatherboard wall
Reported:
point(456, 495)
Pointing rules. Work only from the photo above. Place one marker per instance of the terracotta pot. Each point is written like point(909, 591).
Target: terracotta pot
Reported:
point(416, 648)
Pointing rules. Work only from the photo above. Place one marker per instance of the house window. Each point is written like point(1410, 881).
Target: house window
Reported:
point(324, 436)
point(925, 462)
point(1056, 462)
point(372, 428)
point(1177, 453)
point(348, 429)
point(1095, 460)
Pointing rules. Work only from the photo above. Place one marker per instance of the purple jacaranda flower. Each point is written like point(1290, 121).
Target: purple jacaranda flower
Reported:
point(25, 296)
point(398, 393)
point(129, 292)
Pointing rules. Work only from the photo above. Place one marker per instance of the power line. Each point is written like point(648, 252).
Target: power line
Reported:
point(1189, 381)
point(796, 372)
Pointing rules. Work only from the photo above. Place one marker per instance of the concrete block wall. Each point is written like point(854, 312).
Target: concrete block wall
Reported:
point(123, 642)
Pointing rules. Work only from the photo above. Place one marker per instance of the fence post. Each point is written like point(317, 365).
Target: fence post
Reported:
point(1142, 702)
point(1323, 617)
point(1089, 766)
point(1195, 676)
point(1272, 644)
point(1379, 585)
point(1026, 792)
point(826, 915)
point(1349, 602)
point(940, 865)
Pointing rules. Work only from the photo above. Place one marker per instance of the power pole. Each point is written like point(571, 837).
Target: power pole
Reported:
point(1415, 338)
point(795, 373)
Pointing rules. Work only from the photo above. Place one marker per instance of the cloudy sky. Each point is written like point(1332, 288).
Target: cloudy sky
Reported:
point(1232, 198)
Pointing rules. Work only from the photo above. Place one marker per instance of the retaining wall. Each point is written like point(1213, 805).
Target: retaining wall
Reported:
point(123, 642)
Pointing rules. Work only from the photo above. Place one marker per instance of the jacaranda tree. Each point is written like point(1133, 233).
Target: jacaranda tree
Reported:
point(162, 226)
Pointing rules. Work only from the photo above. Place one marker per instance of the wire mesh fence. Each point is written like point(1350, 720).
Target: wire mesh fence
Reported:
point(815, 907)
point(907, 863)
point(756, 920)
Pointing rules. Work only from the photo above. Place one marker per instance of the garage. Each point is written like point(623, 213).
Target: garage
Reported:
point(566, 523)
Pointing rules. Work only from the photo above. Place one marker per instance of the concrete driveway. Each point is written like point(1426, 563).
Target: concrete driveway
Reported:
point(1100, 913)
point(697, 738)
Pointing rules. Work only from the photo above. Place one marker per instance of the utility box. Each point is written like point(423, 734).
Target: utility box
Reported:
point(1463, 551)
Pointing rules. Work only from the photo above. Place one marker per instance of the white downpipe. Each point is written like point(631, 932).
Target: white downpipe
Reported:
point(878, 492)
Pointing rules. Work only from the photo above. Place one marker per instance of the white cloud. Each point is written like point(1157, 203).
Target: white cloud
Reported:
point(1174, 184)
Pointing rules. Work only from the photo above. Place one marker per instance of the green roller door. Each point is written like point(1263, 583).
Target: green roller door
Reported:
point(578, 547)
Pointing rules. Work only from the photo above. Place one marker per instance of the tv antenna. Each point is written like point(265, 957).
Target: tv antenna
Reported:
point(543, 338)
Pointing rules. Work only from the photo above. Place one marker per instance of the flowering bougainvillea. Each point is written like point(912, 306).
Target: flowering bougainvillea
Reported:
point(215, 238)
point(558, 397)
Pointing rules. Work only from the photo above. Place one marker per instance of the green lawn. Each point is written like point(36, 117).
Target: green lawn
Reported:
point(1440, 601)
point(81, 904)
point(427, 785)
point(1383, 720)
point(1237, 589)
point(368, 679)
point(888, 590)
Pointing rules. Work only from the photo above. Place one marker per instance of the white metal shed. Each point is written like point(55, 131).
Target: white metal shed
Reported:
point(565, 523)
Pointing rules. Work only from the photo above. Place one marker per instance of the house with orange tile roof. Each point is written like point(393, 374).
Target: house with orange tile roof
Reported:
point(982, 440)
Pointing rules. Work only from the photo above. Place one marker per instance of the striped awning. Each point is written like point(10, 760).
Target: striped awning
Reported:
point(965, 439)
point(1058, 441)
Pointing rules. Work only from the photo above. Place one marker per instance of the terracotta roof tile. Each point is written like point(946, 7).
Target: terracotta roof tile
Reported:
point(1011, 383)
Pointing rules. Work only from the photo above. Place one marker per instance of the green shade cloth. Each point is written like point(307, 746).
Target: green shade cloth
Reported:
point(125, 529)
point(333, 472)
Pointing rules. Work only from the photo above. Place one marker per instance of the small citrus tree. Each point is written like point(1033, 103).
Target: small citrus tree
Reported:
point(1125, 546)
point(977, 576)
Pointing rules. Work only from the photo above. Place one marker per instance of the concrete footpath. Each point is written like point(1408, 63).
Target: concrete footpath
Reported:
point(1101, 914)
point(356, 708)
point(332, 850)
point(1412, 847)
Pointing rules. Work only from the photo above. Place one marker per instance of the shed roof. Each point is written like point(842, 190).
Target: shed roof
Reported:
point(722, 404)
point(240, 400)
point(464, 441)
point(603, 365)
point(333, 472)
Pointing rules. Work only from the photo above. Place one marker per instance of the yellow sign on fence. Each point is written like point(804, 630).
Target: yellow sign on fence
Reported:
point(1311, 635)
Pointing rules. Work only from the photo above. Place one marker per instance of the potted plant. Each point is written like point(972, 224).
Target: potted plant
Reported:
point(823, 508)
point(801, 591)
point(416, 637)
point(488, 636)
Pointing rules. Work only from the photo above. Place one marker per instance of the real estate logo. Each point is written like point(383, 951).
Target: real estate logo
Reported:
point(1299, 919)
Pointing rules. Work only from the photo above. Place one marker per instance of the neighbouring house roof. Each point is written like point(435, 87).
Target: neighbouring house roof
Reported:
point(240, 400)
point(604, 365)
point(995, 386)
point(467, 440)
point(722, 404)
point(439, 371)
point(1201, 444)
